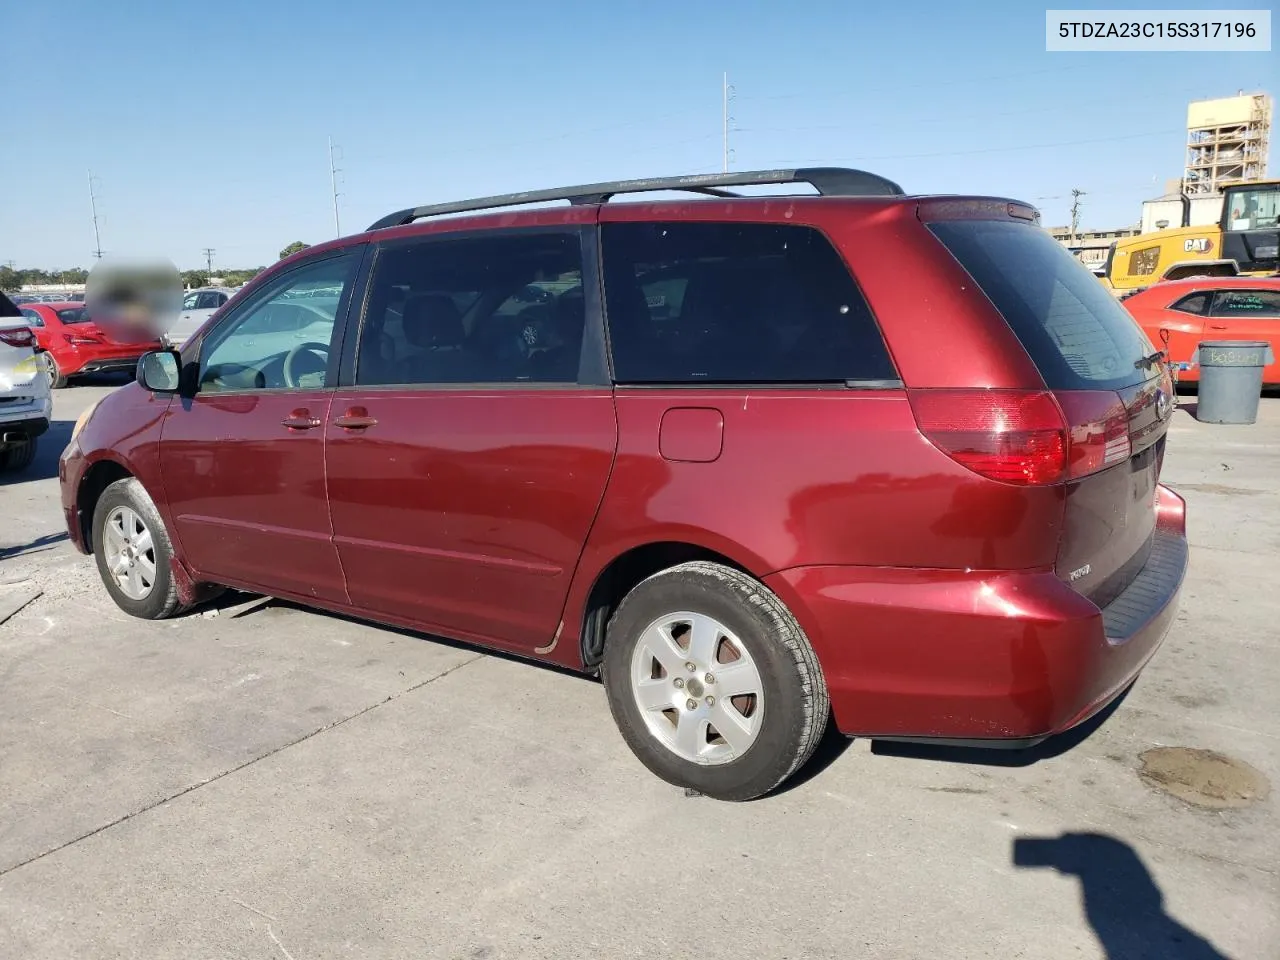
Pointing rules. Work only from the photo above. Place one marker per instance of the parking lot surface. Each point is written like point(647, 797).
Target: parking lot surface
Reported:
point(275, 782)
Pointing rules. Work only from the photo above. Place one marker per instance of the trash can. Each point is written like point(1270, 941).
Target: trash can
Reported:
point(1231, 379)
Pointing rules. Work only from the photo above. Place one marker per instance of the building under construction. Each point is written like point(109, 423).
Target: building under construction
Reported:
point(1227, 139)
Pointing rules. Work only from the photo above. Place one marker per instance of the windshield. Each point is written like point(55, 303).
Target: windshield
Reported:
point(1253, 209)
point(73, 315)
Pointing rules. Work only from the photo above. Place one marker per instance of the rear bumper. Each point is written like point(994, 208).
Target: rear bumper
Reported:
point(983, 656)
point(78, 365)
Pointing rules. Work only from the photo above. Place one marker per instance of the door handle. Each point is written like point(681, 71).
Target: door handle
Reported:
point(300, 419)
point(356, 418)
point(1214, 326)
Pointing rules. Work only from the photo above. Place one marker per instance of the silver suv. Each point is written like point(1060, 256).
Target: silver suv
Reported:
point(25, 403)
point(197, 306)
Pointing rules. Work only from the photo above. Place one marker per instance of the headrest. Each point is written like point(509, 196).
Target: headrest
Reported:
point(432, 320)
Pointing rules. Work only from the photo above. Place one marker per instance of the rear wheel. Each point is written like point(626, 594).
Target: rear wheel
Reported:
point(133, 552)
point(56, 380)
point(712, 682)
point(19, 456)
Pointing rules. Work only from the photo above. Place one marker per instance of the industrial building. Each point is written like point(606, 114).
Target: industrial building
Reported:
point(1227, 139)
point(1090, 246)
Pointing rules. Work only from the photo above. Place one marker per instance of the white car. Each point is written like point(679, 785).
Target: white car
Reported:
point(26, 406)
point(197, 307)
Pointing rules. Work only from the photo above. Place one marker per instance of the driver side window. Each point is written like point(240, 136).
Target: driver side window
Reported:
point(282, 339)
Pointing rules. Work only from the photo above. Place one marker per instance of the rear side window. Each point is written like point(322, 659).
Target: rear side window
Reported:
point(73, 315)
point(1076, 333)
point(735, 303)
point(1246, 303)
point(1197, 303)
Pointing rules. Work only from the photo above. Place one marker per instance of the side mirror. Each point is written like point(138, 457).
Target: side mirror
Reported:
point(159, 371)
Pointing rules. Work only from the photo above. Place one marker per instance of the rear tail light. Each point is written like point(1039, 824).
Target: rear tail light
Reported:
point(76, 341)
point(18, 338)
point(1026, 437)
point(1016, 436)
point(1098, 432)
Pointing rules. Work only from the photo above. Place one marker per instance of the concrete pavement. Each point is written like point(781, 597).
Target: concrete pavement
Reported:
point(284, 783)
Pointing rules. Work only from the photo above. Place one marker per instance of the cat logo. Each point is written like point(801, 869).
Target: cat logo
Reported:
point(1197, 245)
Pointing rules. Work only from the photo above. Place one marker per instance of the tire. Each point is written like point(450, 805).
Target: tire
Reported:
point(775, 729)
point(127, 503)
point(56, 380)
point(19, 456)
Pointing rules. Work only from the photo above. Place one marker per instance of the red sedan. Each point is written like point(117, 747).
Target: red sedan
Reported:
point(73, 344)
point(1209, 308)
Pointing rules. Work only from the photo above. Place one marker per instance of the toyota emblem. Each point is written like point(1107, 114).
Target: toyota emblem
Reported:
point(1164, 405)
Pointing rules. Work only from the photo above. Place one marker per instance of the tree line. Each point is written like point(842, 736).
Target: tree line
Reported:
point(15, 278)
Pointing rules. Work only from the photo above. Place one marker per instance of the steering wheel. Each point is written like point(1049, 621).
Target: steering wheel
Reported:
point(290, 358)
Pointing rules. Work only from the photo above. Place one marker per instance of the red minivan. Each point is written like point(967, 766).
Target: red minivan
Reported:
point(761, 462)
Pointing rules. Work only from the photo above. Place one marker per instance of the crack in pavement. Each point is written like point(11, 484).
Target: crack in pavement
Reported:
point(236, 769)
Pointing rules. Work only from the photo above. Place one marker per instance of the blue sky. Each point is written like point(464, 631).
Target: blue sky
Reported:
point(206, 125)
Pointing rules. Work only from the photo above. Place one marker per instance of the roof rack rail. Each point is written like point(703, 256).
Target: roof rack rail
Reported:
point(828, 181)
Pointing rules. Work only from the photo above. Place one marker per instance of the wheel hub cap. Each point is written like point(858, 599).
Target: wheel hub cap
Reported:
point(129, 552)
point(697, 688)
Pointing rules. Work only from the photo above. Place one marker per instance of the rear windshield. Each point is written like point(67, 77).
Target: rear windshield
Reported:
point(73, 315)
point(735, 303)
point(1075, 331)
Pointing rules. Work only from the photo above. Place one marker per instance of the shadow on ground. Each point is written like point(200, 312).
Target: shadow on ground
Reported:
point(49, 447)
point(1120, 899)
point(49, 541)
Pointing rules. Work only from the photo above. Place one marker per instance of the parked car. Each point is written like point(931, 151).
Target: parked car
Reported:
point(197, 307)
point(1179, 314)
point(893, 459)
point(25, 407)
point(72, 344)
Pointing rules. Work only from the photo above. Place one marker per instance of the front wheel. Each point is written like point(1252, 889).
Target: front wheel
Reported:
point(712, 682)
point(133, 551)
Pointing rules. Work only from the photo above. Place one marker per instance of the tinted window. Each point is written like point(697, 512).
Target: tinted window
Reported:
point(1246, 303)
point(281, 340)
point(7, 307)
point(498, 309)
point(1197, 303)
point(73, 315)
point(1075, 331)
point(735, 303)
point(1143, 262)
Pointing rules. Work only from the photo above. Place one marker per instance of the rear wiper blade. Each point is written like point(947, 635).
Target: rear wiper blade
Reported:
point(1149, 361)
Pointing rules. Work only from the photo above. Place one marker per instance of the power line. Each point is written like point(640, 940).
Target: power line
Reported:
point(208, 260)
point(333, 182)
point(93, 209)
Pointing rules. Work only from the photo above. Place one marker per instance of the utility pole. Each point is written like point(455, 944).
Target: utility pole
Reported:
point(93, 209)
point(208, 261)
point(1075, 213)
point(333, 182)
point(727, 92)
